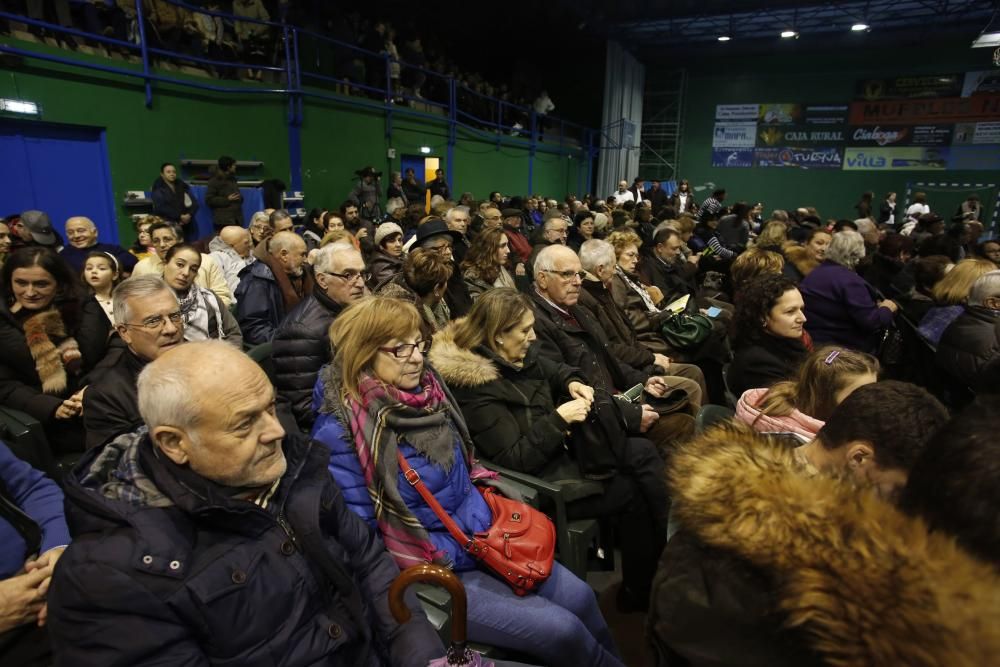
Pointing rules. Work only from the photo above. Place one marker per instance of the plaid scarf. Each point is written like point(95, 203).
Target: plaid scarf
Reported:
point(378, 422)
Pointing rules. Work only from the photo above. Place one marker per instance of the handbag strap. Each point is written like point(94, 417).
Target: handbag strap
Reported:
point(413, 477)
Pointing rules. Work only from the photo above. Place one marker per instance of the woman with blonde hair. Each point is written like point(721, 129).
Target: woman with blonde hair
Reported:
point(802, 404)
point(753, 264)
point(800, 260)
point(379, 406)
point(774, 236)
point(950, 295)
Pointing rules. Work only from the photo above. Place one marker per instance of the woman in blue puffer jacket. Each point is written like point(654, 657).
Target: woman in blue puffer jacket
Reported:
point(377, 398)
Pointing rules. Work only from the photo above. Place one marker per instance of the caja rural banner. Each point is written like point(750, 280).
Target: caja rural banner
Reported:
point(798, 135)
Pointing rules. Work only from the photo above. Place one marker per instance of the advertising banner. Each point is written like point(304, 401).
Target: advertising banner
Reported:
point(734, 135)
point(732, 157)
point(826, 115)
point(983, 81)
point(736, 111)
point(922, 112)
point(800, 135)
point(974, 158)
point(801, 157)
point(978, 133)
point(910, 87)
point(895, 159)
point(898, 135)
point(779, 114)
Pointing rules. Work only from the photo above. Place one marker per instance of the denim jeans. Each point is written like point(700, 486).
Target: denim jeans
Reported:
point(560, 623)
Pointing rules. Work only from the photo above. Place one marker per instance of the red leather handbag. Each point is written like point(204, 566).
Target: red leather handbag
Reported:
point(520, 544)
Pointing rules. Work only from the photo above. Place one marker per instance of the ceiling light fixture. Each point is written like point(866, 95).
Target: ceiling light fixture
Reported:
point(724, 38)
point(859, 27)
point(987, 40)
point(788, 34)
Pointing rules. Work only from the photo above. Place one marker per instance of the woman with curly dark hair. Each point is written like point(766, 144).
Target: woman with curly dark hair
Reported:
point(769, 334)
point(485, 263)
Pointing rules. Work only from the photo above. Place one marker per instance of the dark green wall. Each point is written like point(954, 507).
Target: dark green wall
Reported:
point(336, 139)
point(808, 79)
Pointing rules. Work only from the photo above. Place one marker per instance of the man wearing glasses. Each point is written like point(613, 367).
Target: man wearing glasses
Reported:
point(301, 345)
point(148, 322)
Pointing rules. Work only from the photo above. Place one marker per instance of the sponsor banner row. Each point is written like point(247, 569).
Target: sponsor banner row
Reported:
point(775, 113)
point(929, 86)
point(862, 158)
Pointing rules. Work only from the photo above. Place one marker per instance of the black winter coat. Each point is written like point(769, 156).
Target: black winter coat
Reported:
point(170, 569)
point(259, 304)
point(583, 345)
point(596, 299)
point(20, 386)
point(510, 411)
point(224, 210)
point(763, 362)
point(670, 278)
point(969, 344)
point(111, 402)
point(168, 203)
point(301, 347)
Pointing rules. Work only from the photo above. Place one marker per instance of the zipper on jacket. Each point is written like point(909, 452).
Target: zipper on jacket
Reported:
point(288, 530)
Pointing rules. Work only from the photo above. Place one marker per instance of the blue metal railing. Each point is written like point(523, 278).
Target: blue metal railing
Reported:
point(461, 107)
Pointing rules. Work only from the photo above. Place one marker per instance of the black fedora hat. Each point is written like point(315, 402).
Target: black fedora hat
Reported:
point(435, 227)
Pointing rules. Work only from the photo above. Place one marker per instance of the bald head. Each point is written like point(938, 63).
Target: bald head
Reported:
point(81, 232)
point(210, 408)
point(290, 250)
point(237, 238)
point(172, 387)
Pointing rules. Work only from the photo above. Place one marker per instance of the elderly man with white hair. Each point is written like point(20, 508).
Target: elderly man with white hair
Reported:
point(209, 536)
point(300, 346)
point(81, 236)
point(972, 341)
point(272, 286)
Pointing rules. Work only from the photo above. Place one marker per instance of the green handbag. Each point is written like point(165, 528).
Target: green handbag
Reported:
point(684, 331)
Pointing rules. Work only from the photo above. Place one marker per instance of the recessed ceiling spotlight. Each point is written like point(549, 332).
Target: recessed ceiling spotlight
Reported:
point(724, 38)
point(787, 34)
point(859, 27)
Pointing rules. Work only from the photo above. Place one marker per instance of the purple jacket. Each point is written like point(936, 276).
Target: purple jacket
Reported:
point(841, 308)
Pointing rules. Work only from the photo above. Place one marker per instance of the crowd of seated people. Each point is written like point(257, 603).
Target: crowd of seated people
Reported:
point(215, 392)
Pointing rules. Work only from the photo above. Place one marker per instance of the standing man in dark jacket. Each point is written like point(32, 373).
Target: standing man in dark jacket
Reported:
point(173, 200)
point(223, 195)
point(413, 189)
point(272, 286)
point(301, 345)
point(439, 186)
point(148, 323)
point(221, 541)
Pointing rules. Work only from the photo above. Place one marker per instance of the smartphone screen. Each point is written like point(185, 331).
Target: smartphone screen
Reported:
point(713, 311)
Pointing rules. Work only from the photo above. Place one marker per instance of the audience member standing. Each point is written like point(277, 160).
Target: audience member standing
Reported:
point(174, 201)
point(223, 195)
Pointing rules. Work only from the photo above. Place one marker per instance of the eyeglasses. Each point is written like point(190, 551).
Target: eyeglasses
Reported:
point(441, 247)
point(156, 322)
point(350, 276)
point(567, 275)
point(404, 350)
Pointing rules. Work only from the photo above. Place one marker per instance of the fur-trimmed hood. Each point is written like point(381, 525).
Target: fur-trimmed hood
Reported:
point(865, 583)
point(799, 257)
point(457, 366)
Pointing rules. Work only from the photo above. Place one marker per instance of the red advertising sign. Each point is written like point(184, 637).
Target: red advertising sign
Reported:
point(926, 111)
